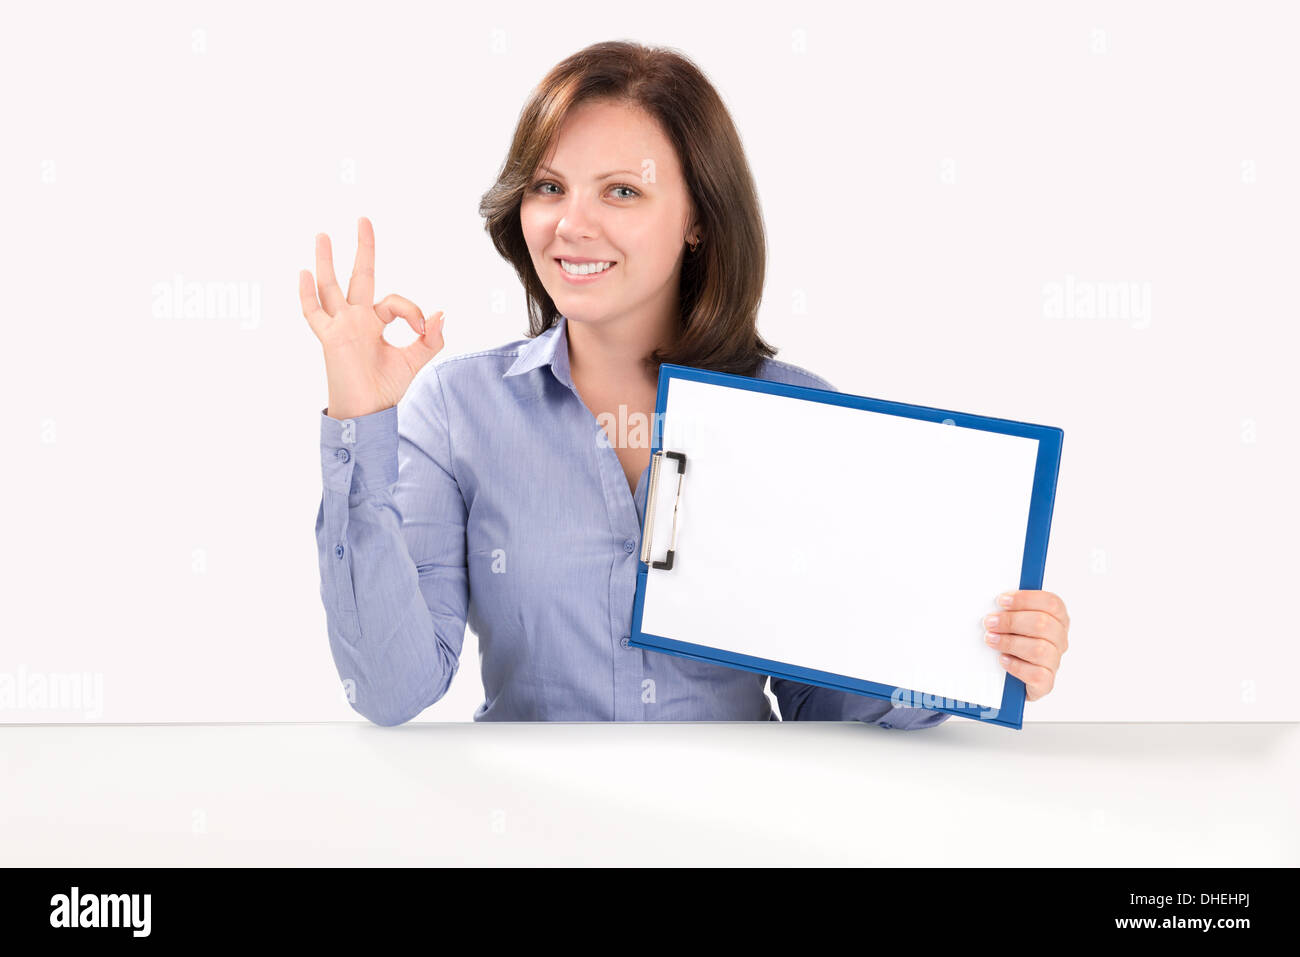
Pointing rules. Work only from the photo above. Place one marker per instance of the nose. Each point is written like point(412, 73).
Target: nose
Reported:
point(577, 221)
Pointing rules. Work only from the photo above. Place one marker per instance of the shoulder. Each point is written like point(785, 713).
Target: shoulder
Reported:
point(467, 363)
point(468, 382)
point(775, 370)
point(485, 363)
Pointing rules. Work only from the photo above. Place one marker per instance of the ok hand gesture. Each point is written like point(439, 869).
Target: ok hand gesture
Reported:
point(365, 373)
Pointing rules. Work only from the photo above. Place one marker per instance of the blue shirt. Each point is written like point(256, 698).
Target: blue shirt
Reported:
point(490, 495)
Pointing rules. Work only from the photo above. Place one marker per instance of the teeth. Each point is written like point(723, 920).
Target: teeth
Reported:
point(584, 269)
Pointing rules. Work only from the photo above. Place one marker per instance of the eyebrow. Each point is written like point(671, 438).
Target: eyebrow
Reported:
point(614, 172)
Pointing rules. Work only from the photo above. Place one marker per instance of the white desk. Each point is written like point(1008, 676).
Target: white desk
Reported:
point(651, 794)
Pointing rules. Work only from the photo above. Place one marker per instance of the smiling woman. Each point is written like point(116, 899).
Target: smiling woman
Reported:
point(626, 154)
point(499, 489)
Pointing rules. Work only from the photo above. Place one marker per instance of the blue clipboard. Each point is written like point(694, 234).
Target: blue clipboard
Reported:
point(1010, 712)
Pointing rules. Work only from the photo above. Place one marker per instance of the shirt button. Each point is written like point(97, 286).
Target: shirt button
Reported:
point(629, 546)
point(342, 454)
point(338, 551)
point(624, 641)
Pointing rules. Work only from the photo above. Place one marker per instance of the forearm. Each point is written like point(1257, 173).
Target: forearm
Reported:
point(385, 643)
point(805, 702)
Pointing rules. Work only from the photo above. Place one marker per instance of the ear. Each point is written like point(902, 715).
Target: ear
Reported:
point(694, 231)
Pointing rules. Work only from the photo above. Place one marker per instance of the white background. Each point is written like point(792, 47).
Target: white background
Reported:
point(930, 174)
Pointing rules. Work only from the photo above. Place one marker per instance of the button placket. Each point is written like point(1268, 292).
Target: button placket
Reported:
point(623, 510)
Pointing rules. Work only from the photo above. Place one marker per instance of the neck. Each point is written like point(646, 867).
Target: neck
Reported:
point(612, 351)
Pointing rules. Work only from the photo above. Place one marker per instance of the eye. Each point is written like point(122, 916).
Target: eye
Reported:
point(537, 188)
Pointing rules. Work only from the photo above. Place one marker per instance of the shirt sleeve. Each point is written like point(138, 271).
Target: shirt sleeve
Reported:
point(803, 702)
point(390, 534)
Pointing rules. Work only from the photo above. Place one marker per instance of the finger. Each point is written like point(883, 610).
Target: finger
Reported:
point(1036, 624)
point(1038, 651)
point(311, 309)
point(427, 346)
point(395, 305)
point(1038, 680)
point(1027, 599)
point(361, 288)
point(331, 296)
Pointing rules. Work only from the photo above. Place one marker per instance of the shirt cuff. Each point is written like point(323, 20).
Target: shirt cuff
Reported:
point(359, 454)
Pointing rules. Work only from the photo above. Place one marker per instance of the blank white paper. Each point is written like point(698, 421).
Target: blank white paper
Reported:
point(843, 540)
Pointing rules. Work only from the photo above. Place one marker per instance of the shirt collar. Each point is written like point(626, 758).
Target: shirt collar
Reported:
point(550, 348)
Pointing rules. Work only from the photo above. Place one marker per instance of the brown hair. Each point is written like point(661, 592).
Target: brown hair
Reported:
point(722, 279)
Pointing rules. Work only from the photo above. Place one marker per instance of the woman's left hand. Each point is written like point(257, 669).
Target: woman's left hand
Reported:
point(1031, 630)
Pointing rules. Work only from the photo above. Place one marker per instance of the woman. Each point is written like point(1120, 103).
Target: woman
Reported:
point(503, 488)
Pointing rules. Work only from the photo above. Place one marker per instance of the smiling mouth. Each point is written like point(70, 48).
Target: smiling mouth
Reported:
point(584, 271)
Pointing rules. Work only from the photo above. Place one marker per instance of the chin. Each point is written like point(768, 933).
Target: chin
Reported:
point(579, 313)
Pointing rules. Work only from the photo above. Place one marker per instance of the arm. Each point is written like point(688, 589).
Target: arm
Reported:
point(801, 702)
point(390, 536)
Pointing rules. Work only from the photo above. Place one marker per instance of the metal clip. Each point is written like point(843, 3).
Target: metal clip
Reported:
point(648, 538)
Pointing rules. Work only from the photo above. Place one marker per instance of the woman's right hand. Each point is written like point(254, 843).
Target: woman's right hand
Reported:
point(365, 373)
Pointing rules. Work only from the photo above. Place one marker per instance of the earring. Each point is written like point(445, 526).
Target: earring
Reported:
point(695, 245)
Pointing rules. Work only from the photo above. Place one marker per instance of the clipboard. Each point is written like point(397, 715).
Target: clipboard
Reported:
point(839, 540)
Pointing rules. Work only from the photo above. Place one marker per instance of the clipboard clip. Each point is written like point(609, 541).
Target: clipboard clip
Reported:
point(648, 538)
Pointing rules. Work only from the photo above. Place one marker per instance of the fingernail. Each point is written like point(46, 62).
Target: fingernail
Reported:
point(1005, 600)
point(990, 621)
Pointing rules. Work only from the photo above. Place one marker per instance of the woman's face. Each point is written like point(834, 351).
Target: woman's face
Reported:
point(612, 190)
